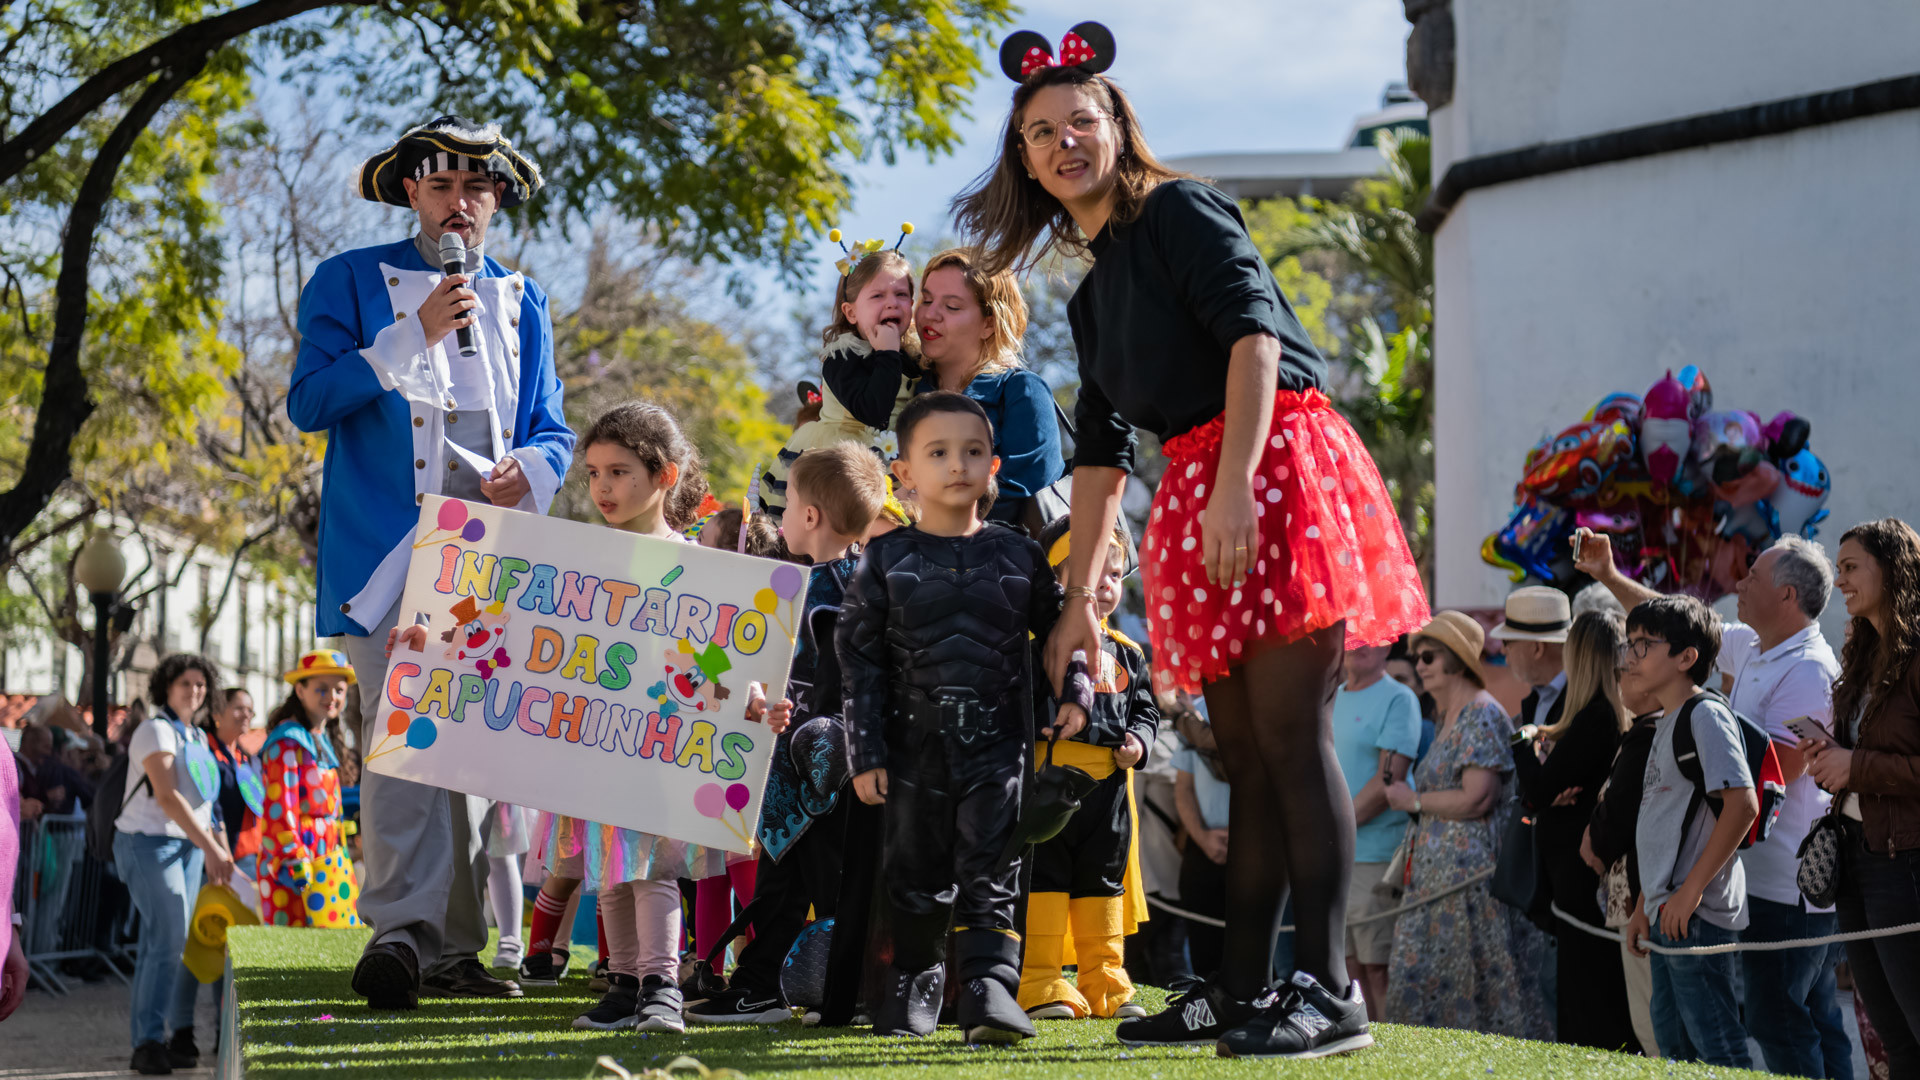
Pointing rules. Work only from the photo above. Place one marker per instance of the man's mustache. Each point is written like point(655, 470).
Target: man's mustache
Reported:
point(457, 219)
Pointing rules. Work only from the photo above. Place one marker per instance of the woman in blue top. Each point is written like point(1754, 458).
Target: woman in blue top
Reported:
point(970, 325)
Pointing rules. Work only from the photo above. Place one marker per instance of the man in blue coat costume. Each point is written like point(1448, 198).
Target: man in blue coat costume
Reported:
point(407, 415)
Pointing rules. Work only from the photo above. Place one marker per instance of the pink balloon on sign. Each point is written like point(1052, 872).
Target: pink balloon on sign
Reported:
point(738, 796)
point(709, 800)
point(453, 514)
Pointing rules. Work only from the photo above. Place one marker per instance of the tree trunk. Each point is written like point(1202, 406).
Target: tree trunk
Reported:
point(66, 400)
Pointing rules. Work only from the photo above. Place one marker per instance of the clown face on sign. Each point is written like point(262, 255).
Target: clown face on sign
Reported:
point(478, 635)
point(692, 679)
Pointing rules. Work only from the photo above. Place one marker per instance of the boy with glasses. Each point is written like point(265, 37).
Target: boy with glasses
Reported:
point(1693, 890)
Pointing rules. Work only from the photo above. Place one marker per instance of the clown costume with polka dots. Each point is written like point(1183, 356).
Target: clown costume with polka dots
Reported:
point(306, 878)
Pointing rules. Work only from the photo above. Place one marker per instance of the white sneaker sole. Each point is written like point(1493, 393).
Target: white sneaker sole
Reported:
point(587, 1024)
point(1055, 1011)
point(1340, 1046)
point(770, 1016)
point(1169, 1042)
point(672, 1024)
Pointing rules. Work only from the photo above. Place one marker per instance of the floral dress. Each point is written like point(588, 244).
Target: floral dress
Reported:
point(306, 878)
point(1466, 960)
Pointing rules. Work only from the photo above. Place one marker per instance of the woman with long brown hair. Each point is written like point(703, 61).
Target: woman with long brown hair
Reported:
point(1874, 773)
point(1272, 543)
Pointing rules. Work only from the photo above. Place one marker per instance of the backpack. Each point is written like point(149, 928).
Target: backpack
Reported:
point(1769, 780)
point(110, 798)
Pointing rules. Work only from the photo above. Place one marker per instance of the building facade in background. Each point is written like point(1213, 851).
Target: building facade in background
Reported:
point(264, 625)
point(1783, 265)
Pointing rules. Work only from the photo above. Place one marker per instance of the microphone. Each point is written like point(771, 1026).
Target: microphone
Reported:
point(453, 260)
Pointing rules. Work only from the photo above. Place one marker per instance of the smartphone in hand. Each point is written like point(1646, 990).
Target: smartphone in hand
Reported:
point(1810, 730)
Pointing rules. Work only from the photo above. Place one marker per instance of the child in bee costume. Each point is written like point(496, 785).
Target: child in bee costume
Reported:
point(1086, 894)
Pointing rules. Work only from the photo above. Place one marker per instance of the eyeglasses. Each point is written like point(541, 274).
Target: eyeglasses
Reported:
point(1427, 656)
point(1044, 133)
point(1640, 647)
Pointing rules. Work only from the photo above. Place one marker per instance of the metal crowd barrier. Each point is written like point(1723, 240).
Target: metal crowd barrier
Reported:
point(59, 893)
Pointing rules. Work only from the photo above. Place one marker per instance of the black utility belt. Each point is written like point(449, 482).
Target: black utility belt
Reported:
point(958, 711)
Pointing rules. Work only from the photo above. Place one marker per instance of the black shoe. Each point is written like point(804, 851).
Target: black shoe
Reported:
point(469, 978)
point(910, 1001)
point(660, 1006)
point(1196, 1018)
point(541, 969)
point(988, 966)
point(740, 1006)
point(150, 1059)
point(181, 1052)
point(618, 1009)
point(388, 976)
point(1302, 1019)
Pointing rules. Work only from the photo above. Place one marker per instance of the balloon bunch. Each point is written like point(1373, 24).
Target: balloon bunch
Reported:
point(1689, 494)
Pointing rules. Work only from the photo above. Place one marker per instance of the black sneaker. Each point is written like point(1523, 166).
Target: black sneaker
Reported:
point(1302, 1019)
point(150, 1059)
point(182, 1053)
point(470, 978)
point(660, 1005)
point(740, 1006)
point(618, 1009)
point(541, 969)
point(1197, 1017)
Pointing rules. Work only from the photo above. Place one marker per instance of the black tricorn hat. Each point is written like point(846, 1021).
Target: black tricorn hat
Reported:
point(451, 142)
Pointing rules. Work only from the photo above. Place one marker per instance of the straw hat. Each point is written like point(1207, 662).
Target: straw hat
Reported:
point(1536, 613)
point(321, 662)
point(1459, 633)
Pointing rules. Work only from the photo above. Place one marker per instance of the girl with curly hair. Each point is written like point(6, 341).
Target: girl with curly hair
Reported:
point(1874, 773)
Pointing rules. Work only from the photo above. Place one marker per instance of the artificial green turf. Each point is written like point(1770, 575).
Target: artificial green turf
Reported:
point(299, 1018)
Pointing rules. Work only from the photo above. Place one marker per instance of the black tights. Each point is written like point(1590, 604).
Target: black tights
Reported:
point(1291, 819)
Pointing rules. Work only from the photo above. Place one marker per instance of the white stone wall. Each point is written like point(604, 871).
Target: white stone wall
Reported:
point(1785, 267)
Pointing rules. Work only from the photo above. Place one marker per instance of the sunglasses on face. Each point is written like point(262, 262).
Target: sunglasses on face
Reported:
point(1428, 656)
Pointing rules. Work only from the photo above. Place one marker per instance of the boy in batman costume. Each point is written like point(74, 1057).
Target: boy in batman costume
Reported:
point(936, 641)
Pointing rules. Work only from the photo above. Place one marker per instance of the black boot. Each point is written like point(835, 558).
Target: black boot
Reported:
point(988, 966)
point(911, 1005)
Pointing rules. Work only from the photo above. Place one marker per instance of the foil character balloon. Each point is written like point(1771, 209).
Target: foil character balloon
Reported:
point(1798, 501)
point(1618, 406)
point(1622, 519)
point(1749, 487)
point(1579, 460)
point(1699, 393)
point(1786, 436)
point(1532, 539)
point(1752, 522)
point(1666, 433)
point(1723, 434)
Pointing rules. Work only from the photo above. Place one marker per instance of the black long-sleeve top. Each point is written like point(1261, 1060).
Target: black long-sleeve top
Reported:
point(1611, 828)
point(929, 612)
point(1582, 757)
point(1156, 319)
point(868, 383)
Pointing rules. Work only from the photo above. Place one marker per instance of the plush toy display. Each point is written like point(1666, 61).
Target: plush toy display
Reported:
point(1689, 494)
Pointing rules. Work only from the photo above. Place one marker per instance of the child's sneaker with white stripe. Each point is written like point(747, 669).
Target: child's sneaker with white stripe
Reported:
point(1301, 1019)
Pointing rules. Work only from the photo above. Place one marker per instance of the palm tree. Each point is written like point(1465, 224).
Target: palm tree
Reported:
point(1381, 267)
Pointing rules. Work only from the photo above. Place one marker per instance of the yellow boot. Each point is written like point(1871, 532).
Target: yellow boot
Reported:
point(1041, 982)
point(1099, 943)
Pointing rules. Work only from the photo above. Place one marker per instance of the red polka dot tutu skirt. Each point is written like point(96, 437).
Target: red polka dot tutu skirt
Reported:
point(1330, 548)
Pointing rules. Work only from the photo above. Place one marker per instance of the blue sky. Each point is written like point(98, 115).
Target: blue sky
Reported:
point(1205, 76)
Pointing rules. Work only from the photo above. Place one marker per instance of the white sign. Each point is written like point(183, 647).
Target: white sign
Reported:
point(587, 671)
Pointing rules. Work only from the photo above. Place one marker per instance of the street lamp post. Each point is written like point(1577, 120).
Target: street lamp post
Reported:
point(101, 568)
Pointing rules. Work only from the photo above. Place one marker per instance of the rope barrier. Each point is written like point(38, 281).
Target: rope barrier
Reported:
point(1208, 920)
point(1737, 946)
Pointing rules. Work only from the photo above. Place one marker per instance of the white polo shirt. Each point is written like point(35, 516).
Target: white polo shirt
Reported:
point(1792, 679)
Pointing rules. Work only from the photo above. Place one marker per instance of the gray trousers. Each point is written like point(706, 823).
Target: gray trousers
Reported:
point(423, 872)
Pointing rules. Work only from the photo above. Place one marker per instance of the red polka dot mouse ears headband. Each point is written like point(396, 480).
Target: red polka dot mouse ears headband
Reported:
point(1088, 46)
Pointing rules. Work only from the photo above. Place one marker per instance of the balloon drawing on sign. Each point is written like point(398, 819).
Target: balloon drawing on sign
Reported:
point(421, 733)
point(738, 796)
point(474, 530)
point(764, 601)
point(787, 580)
point(397, 723)
point(453, 514)
point(710, 800)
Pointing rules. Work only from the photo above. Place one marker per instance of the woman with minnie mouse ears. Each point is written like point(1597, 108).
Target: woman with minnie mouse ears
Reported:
point(1272, 545)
